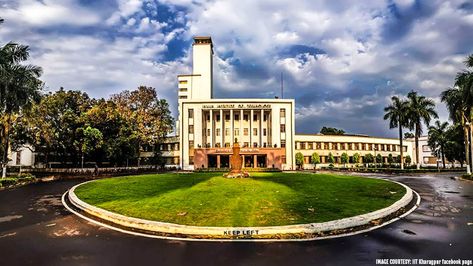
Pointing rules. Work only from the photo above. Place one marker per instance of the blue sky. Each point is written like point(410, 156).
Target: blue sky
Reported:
point(342, 60)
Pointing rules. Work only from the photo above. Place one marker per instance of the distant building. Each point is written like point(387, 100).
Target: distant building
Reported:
point(23, 157)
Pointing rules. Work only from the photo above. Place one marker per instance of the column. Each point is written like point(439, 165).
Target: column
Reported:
point(218, 161)
point(261, 128)
point(243, 161)
point(255, 160)
point(232, 128)
point(241, 128)
point(211, 141)
point(251, 128)
point(222, 129)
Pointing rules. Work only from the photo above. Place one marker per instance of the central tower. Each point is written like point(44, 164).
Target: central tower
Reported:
point(202, 55)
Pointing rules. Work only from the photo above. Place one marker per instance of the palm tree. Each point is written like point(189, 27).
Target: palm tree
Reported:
point(396, 112)
point(421, 109)
point(438, 139)
point(19, 88)
point(459, 101)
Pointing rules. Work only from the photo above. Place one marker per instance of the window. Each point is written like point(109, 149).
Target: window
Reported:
point(182, 89)
point(425, 148)
point(18, 157)
point(245, 117)
point(282, 113)
point(245, 131)
point(283, 159)
point(237, 117)
point(191, 146)
point(255, 132)
point(182, 81)
point(208, 117)
point(264, 131)
point(218, 118)
point(255, 144)
point(191, 129)
point(227, 131)
point(217, 132)
point(227, 117)
point(265, 117)
point(255, 117)
point(237, 132)
point(191, 160)
point(283, 143)
point(302, 145)
point(245, 144)
point(311, 146)
point(191, 113)
point(182, 97)
point(227, 144)
point(283, 128)
point(208, 132)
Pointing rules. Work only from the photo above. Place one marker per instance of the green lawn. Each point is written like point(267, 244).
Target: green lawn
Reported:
point(208, 199)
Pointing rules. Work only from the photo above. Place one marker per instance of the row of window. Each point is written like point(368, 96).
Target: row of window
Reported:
point(236, 131)
point(347, 146)
point(246, 117)
point(244, 145)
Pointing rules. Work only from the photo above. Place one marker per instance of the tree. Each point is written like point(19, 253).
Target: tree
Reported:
point(368, 158)
point(438, 139)
point(379, 158)
point(330, 158)
point(344, 158)
point(356, 158)
point(315, 159)
point(19, 88)
point(408, 160)
point(150, 115)
point(421, 109)
point(56, 123)
point(459, 101)
point(408, 135)
point(299, 160)
point(396, 113)
point(332, 131)
point(90, 140)
point(390, 159)
point(455, 149)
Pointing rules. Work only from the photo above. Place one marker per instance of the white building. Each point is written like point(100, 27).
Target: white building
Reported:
point(23, 157)
point(208, 127)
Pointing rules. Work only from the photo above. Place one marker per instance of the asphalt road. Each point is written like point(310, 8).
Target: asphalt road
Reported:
point(35, 229)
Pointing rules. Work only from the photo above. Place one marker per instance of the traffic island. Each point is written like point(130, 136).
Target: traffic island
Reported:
point(399, 200)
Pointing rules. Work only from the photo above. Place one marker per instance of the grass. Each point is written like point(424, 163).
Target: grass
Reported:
point(208, 199)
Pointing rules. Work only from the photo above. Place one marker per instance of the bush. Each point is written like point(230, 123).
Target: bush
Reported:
point(467, 176)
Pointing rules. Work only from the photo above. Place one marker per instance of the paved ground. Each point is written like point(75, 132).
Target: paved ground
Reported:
point(36, 229)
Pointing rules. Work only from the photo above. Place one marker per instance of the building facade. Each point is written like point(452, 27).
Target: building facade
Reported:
point(208, 127)
point(336, 145)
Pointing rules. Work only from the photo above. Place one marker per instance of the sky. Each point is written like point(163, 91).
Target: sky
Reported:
point(341, 60)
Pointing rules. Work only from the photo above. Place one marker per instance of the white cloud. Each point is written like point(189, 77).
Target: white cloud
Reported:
point(50, 12)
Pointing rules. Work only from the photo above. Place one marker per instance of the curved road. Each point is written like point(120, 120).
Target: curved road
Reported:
point(35, 229)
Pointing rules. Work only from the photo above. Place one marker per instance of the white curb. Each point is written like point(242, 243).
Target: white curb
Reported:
point(266, 233)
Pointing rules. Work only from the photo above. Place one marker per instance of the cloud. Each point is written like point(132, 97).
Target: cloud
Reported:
point(341, 60)
point(50, 12)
